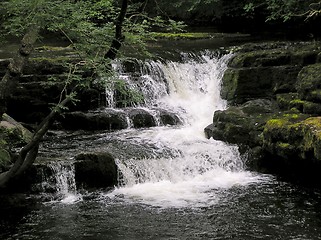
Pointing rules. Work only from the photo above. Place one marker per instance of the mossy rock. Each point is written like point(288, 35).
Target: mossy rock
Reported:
point(309, 83)
point(242, 125)
point(260, 58)
point(276, 54)
point(13, 132)
point(243, 84)
point(286, 100)
point(296, 137)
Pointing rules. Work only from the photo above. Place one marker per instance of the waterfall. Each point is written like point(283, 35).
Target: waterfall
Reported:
point(61, 178)
point(197, 169)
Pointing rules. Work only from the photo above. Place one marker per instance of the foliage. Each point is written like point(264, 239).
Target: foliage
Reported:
point(285, 9)
point(89, 27)
point(126, 95)
point(184, 9)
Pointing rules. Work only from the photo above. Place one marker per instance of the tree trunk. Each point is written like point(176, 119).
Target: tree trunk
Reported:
point(28, 153)
point(119, 37)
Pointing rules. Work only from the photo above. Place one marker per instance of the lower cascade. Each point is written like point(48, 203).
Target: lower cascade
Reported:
point(185, 169)
point(62, 177)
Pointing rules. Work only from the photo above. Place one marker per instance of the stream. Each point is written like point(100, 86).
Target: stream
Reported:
point(173, 182)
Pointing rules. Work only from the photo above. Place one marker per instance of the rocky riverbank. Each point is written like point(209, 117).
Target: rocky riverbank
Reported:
point(273, 91)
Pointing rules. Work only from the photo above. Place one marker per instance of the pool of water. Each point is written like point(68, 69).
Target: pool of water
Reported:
point(266, 210)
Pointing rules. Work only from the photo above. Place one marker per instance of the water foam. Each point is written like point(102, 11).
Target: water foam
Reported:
point(198, 169)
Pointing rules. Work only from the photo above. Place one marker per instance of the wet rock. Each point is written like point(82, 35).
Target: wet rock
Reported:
point(41, 85)
point(141, 118)
point(38, 178)
point(105, 120)
point(168, 118)
point(242, 125)
point(95, 170)
point(31, 102)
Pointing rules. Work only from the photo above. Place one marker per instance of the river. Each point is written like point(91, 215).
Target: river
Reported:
point(174, 183)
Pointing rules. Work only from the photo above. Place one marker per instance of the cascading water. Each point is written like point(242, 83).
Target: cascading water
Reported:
point(174, 183)
point(62, 178)
point(196, 169)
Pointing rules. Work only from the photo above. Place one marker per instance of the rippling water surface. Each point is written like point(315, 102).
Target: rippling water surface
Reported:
point(268, 210)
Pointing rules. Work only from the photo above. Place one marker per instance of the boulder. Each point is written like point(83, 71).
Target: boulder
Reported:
point(242, 125)
point(308, 84)
point(109, 119)
point(12, 134)
point(141, 118)
point(292, 148)
point(95, 170)
point(168, 118)
point(294, 137)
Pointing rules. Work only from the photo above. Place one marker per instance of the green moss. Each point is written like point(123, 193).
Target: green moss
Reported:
point(296, 101)
point(283, 145)
point(314, 123)
point(276, 123)
point(177, 36)
point(291, 116)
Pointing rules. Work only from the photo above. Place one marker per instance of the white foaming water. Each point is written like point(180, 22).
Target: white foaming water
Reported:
point(198, 168)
